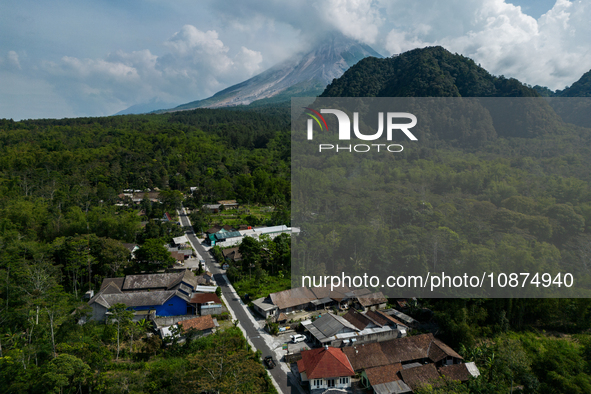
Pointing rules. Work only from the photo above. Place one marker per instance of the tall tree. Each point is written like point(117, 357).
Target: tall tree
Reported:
point(122, 318)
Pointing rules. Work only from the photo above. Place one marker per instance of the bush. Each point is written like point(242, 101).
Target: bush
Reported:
point(217, 253)
point(223, 316)
point(273, 328)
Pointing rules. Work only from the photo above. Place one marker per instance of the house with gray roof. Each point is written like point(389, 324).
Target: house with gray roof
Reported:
point(351, 329)
point(284, 301)
point(166, 294)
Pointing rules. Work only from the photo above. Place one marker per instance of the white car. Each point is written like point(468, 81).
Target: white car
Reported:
point(297, 338)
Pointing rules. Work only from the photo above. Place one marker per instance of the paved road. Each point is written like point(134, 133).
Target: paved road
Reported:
point(253, 333)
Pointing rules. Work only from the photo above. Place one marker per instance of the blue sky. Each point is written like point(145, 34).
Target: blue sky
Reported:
point(69, 58)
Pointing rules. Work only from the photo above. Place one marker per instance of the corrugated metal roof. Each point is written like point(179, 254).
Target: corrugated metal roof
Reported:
point(273, 229)
point(228, 234)
point(401, 316)
point(321, 301)
point(397, 387)
point(330, 325)
point(473, 369)
point(315, 332)
point(205, 289)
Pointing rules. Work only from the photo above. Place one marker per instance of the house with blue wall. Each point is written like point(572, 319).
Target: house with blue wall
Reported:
point(166, 294)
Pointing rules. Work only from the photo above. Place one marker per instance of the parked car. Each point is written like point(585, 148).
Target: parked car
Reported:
point(269, 362)
point(297, 338)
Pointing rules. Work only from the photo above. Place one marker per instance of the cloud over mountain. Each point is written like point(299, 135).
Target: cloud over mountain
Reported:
point(196, 62)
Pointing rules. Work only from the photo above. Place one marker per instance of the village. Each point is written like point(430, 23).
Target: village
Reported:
point(312, 340)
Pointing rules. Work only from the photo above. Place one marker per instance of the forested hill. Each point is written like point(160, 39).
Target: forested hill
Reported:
point(581, 88)
point(426, 72)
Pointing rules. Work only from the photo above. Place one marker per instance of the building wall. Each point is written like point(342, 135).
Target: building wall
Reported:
point(263, 313)
point(173, 307)
point(294, 308)
point(211, 310)
point(316, 384)
point(369, 338)
point(99, 312)
point(170, 320)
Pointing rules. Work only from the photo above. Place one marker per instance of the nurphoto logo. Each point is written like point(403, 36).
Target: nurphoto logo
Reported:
point(344, 123)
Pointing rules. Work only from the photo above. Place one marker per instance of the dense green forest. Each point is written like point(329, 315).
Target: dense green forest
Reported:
point(61, 234)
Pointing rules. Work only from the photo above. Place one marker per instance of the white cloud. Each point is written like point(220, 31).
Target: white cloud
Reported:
point(196, 65)
point(13, 59)
point(250, 60)
point(553, 50)
point(358, 19)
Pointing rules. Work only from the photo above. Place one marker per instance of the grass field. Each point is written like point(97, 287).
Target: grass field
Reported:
point(236, 217)
point(257, 288)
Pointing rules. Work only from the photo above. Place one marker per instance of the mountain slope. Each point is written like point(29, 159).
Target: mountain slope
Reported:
point(581, 88)
point(436, 72)
point(426, 72)
point(144, 108)
point(305, 75)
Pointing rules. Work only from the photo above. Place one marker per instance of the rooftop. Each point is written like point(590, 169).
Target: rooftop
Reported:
point(383, 374)
point(382, 318)
point(263, 304)
point(232, 253)
point(325, 362)
point(425, 374)
point(338, 293)
point(329, 325)
point(134, 299)
point(198, 323)
point(359, 320)
point(181, 240)
point(292, 297)
point(203, 298)
point(366, 356)
point(150, 281)
point(401, 316)
point(400, 350)
point(458, 372)
point(372, 299)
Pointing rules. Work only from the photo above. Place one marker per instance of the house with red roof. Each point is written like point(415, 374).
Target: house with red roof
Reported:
point(325, 368)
